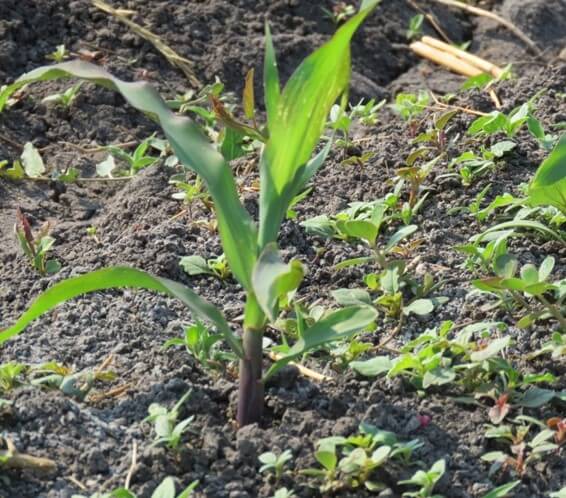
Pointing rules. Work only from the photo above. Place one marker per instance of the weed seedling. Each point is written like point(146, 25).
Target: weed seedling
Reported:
point(340, 12)
point(531, 284)
point(275, 463)
point(59, 54)
point(36, 247)
point(415, 27)
point(167, 430)
point(64, 99)
point(203, 346)
point(411, 105)
point(426, 480)
point(191, 192)
point(523, 452)
point(197, 265)
point(136, 161)
point(10, 375)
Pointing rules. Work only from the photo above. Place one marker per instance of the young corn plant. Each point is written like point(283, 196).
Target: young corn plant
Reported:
point(296, 117)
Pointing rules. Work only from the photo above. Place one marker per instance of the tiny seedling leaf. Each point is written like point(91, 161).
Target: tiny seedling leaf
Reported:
point(32, 161)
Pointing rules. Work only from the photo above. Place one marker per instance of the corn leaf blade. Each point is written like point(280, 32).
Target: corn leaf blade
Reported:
point(296, 126)
point(338, 325)
point(189, 144)
point(122, 277)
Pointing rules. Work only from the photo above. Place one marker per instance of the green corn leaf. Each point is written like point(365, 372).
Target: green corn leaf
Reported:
point(271, 79)
point(297, 123)
point(120, 277)
point(191, 147)
point(338, 325)
point(548, 187)
point(272, 278)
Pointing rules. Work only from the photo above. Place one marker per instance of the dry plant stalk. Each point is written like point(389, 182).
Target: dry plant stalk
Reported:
point(474, 60)
point(445, 59)
point(490, 15)
point(10, 458)
point(307, 372)
point(185, 65)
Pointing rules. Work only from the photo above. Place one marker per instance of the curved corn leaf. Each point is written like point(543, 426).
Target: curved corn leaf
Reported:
point(270, 79)
point(548, 187)
point(297, 123)
point(120, 277)
point(190, 145)
point(272, 278)
point(338, 325)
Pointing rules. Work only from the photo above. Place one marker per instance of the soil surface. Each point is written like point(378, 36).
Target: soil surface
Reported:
point(138, 224)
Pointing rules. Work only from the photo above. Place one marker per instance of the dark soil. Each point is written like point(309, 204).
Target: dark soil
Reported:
point(137, 225)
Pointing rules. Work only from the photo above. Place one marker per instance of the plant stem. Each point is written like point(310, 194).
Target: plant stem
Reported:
point(251, 392)
point(554, 311)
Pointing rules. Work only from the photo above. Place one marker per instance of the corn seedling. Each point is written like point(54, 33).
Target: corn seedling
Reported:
point(296, 118)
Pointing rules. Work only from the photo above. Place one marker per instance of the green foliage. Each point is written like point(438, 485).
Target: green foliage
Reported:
point(503, 490)
point(548, 187)
point(203, 345)
point(471, 165)
point(59, 54)
point(284, 493)
point(165, 490)
point(10, 375)
point(36, 247)
point(415, 26)
point(351, 462)
point(523, 448)
point(498, 122)
point(410, 105)
point(556, 347)
point(197, 265)
point(426, 480)
point(340, 12)
point(64, 99)
point(275, 463)
point(167, 429)
point(135, 162)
